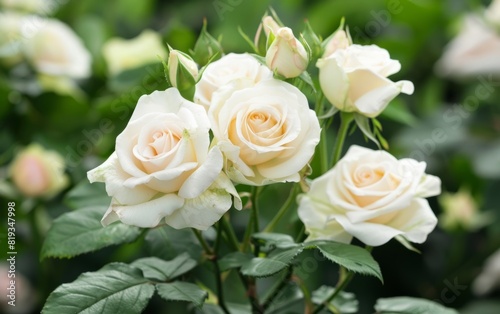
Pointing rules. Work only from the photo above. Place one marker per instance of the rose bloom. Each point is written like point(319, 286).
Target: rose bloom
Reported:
point(267, 132)
point(489, 279)
point(42, 7)
point(38, 172)
point(354, 79)
point(125, 54)
point(54, 49)
point(10, 37)
point(474, 51)
point(372, 196)
point(162, 170)
point(231, 69)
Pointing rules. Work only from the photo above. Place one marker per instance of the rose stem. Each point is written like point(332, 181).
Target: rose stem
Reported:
point(282, 210)
point(345, 277)
point(282, 284)
point(345, 120)
point(212, 256)
point(231, 236)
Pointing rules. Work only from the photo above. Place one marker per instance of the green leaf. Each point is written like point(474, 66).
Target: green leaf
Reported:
point(274, 240)
point(352, 257)
point(344, 302)
point(155, 268)
point(117, 288)
point(364, 125)
point(409, 305)
point(397, 111)
point(482, 306)
point(263, 267)
point(81, 232)
point(182, 291)
point(167, 243)
point(85, 194)
point(234, 260)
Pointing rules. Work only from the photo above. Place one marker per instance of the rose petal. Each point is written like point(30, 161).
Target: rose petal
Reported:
point(204, 176)
point(111, 173)
point(145, 215)
point(206, 209)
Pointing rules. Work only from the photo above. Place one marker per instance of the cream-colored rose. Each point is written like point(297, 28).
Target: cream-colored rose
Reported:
point(125, 54)
point(54, 49)
point(489, 278)
point(285, 54)
point(460, 210)
point(162, 170)
point(339, 40)
point(473, 52)
point(267, 131)
point(38, 172)
point(372, 196)
point(354, 79)
point(41, 7)
point(232, 69)
point(11, 37)
point(492, 14)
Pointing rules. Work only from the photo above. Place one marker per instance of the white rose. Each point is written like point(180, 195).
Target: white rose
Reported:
point(124, 54)
point(38, 172)
point(54, 49)
point(473, 52)
point(43, 7)
point(10, 36)
point(339, 40)
point(267, 132)
point(286, 55)
point(489, 278)
point(230, 69)
point(162, 169)
point(372, 196)
point(354, 79)
point(492, 14)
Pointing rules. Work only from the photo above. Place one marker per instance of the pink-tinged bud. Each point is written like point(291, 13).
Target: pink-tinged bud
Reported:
point(37, 172)
point(286, 55)
point(338, 41)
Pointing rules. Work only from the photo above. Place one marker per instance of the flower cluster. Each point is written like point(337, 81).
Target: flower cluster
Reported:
point(242, 119)
point(50, 47)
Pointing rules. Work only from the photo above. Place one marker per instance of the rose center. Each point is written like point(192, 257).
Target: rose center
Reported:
point(161, 141)
point(366, 175)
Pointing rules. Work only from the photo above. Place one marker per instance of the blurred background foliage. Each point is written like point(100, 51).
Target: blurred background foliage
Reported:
point(415, 32)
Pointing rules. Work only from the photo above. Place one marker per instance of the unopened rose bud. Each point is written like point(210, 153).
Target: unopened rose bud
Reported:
point(339, 40)
point(38, 172)
point(206, 48)
point(182, 70)
point(461, 211)
point(286, 55)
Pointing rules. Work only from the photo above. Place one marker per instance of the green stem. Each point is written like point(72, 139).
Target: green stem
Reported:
point(213, 257)
point(203, 243)
point(255, 208)
point(255, 215)
point(282, 283)
point(345, 120)
point(323, 151)
point(231, 236)
point(284, 208)
point(343, 282)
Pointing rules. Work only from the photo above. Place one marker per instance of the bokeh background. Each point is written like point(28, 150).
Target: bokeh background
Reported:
point(460, 142)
